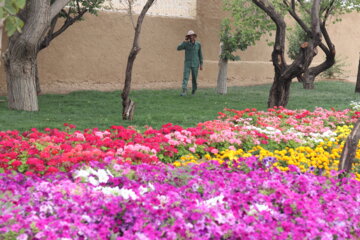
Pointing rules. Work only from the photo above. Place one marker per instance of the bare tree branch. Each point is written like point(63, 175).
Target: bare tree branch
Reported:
point(57, 6)
point(68, 22)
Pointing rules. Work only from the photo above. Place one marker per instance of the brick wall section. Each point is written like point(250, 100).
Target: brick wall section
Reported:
point(173, 8)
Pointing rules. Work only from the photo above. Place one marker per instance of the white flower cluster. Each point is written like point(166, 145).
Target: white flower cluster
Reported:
point(355, 105)
point(95, 177)
point(314, 137)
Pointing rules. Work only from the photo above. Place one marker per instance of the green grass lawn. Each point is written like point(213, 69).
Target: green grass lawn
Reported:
point(89, 109)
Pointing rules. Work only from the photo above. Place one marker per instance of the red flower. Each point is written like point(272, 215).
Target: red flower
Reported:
point(16, 163)
point(28, 173)
point(52, 170)
point(200, 141)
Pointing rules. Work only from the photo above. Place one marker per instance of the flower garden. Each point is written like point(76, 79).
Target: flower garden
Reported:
point(248, 174)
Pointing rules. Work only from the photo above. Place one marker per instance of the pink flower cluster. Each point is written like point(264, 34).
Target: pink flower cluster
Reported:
point(207, 201)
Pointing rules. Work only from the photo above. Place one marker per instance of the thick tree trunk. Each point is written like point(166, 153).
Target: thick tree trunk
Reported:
point(279, 93)
point(21, 55)
point(357, 89)
point(222, 77)
point(20, 75)
point(127, 104)
point(349, 151)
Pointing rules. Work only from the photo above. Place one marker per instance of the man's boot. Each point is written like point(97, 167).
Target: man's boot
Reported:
point(183, 92)
point(193, 92)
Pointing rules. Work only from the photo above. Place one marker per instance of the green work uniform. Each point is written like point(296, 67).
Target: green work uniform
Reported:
point(193, 58)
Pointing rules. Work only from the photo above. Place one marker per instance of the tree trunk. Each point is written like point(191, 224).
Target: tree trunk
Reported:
point(21, 55)
point(127, 103)
point(37, 80)
point(222, 77)
point(20, 75)
point(357, 89)
point(349, 151)
point(279, 93)
point(308, 80)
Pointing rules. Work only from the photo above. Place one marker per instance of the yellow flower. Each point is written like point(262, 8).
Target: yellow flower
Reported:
point(177, 164)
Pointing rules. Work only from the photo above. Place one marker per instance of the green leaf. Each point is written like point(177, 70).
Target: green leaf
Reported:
point(10, 26)
point(20, 3)
point(9, 8)
point(22, 168)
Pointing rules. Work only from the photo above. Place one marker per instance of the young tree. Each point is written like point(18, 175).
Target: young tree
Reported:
point(229, 43)
point(127, 103)
point(246, 26)
point(40, 18)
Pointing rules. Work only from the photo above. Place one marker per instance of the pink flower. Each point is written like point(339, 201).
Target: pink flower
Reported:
point(214, 151)
point(232, 148)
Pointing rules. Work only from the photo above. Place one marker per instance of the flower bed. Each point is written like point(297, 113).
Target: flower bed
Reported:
point(248, 174)
point(310, 140)
point(208, 201)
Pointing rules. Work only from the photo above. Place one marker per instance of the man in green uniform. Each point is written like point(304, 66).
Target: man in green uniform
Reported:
point(193, 60)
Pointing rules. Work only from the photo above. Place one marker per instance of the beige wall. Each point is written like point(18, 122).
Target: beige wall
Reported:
point(92, 54)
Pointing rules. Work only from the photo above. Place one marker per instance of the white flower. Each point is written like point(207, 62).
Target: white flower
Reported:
point(93, 181)
point(110, 191)
point(163, 199)
point(143, 190)
point(212, 202)
point(103, 175)
point(151, 186)
point(128, 193)
point(254, 209)
point(83, 173)
point(86, 218)
point(116, 191)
